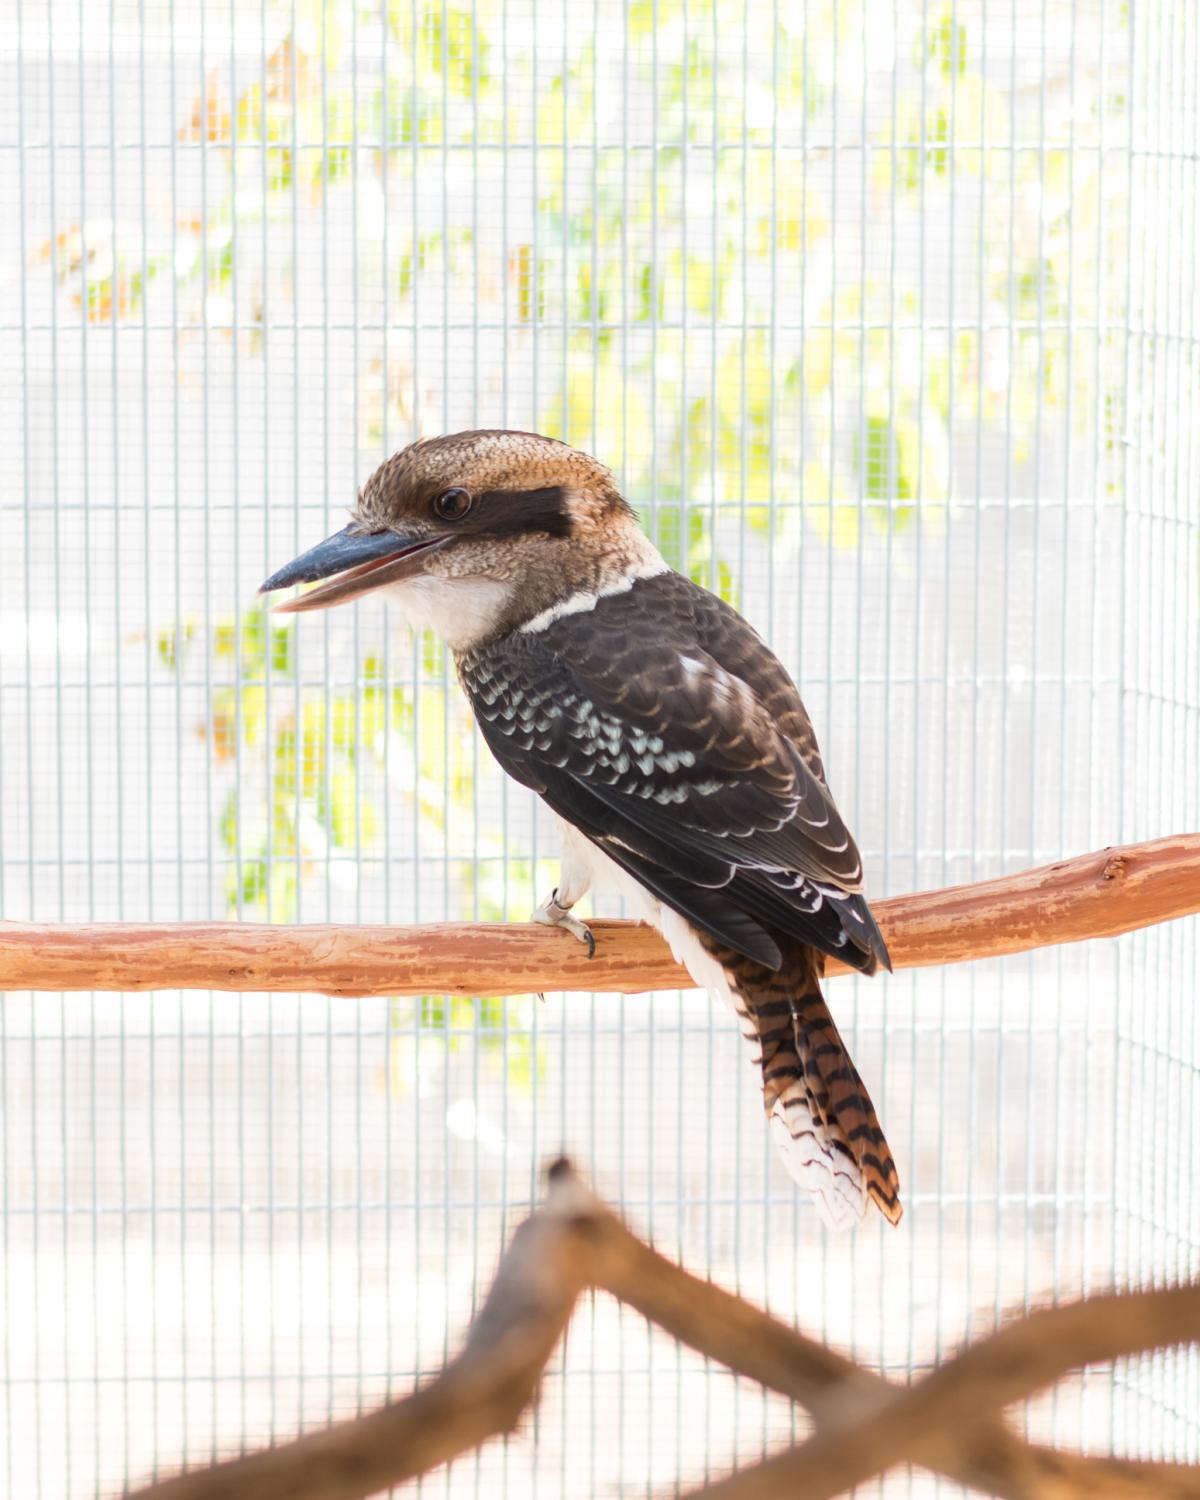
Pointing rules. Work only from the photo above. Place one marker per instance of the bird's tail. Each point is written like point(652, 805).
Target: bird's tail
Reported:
point(820, 1113)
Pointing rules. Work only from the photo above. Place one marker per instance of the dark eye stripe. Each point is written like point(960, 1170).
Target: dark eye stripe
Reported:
point(515, 512)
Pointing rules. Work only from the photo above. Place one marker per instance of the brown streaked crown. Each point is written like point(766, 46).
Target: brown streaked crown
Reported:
point(517, 481)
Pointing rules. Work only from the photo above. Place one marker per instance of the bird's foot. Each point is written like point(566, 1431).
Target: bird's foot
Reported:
point(551, 914)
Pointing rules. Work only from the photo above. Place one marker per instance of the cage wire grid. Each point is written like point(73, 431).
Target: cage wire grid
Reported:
point(885, 316)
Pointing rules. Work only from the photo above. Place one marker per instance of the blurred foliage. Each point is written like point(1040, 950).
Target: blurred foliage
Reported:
point(312, 745)
point(716, 312)
point(307, 772)
point(723, 329)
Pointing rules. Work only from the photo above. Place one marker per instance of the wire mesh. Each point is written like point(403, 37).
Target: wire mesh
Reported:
point(885, 315)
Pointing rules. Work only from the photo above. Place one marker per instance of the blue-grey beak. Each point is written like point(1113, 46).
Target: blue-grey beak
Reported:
point(357, 562)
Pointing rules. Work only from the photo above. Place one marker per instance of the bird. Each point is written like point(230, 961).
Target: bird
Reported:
point(669, 741)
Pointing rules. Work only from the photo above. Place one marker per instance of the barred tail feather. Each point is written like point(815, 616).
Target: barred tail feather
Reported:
point(820, 1113)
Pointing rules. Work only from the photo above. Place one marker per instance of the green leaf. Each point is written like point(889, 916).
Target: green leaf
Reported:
point(282, 638)
point(948, 44)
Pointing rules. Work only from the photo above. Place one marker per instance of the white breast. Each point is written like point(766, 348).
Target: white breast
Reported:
point(584, 866)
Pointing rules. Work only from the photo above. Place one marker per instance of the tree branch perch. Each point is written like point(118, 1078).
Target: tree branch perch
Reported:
point(1092, 896)
point(949, 1422)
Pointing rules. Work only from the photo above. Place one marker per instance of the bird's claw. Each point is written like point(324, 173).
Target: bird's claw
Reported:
point(551, 914)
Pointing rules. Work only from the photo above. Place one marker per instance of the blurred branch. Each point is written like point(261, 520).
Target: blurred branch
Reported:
point(949, 1422)
point(841, 1394)
point(1008, 1366)
point(480, 1394)
point(1093, 896)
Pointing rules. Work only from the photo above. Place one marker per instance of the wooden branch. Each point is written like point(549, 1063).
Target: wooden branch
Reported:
point(480, 1394)
point(1007, 1366)
point(949, 1422)
point(737, 1334)
point(1092, 896)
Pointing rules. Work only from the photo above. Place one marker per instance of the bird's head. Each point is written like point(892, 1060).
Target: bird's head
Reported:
point(474, 533)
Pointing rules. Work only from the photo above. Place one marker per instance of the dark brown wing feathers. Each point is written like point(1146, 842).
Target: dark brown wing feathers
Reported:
point(660, 725)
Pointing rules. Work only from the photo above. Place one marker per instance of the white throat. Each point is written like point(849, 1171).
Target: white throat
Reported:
point(462, 611)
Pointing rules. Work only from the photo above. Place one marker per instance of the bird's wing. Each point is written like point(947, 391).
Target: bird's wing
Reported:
point(627, 722)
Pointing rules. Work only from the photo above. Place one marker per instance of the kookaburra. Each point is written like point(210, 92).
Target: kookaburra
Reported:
point(671, 744)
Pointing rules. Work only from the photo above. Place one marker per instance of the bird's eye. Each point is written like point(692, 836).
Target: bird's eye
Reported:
point(452, 505)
